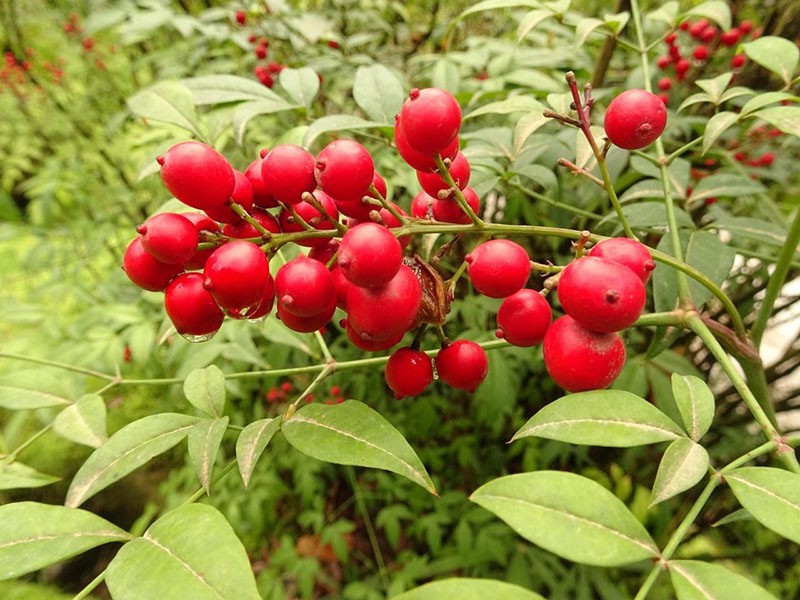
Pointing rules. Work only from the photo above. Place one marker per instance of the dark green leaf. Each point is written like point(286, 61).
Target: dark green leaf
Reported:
point(725, 185)
point(695, 403)
point(465, 588)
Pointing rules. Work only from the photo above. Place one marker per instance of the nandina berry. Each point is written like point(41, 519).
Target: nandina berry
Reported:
point(309, 213)
point(261, 193)
point(422, 206)
point(737, 62)
point(324, 253)
point(578, 359)
point(369, 255)
point(498, 268)
point(241, 17)
point(408, 372)
point(634, 119)
point(244, 229)
point(236, 274)
point(600, 294)
point(305, 324)
point(766, 159)
point(379, 184)
point(674, 52)
point(746, 27)
point(670, 39)
point(523, 318)
point(448, 210)
point(430, 119)
point(342, 287)
point(288, 172)
point(664, 61)
point(190, 307)
point(242, 195)
point(665, 84)
point(709, 33)
point(144, 270)
point(626, 251)
point(462, 364)
point(421, 161)
point(304, 287)
point(681, 67)
point(260, 52)
point(169, 237)
point(344, 169)
point(356, 208)
point(197, 175)
point(364, 342)
point(700, 53)
point(433, 183)
point(264, 306)
point(696, 29)
point(202, 223)
point(730, 37)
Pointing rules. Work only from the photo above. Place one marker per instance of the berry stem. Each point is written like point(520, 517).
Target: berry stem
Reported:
point(91, 586)
point(327, 371)
point(387, 205)
point(576, 170)
point(444, 173)
point(312, 200)
point(240, 210)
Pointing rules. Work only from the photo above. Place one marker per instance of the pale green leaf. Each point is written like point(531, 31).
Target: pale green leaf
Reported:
point(695, 403)
point(247, 111)
point(771, 495)
point(775, 54)
point(716, 126)
point(785, 118)
point(251, 443)
point(84, 422)
point(302, 85)
point(584, 29)
point(616, 22)
point(336, 123)
point(379, 92)
point(498, 4)
point(715, 10)
point(205, 390)
point(205, 438)
point(530, 21)
point(764, 99)
point(467, 588)
point(715, 87)
point(166, 102)
point(694, 99)
point(698, 580)
point(508, 106)
point(220, 89)
point(683, 465)
point(752, 229)
point(17, 475)
point(725, 185)
point(525, 128)
point(16, 398)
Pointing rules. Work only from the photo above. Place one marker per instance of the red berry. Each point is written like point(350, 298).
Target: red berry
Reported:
point(674, 52)
point(448, 210)
point(421, 161)
point(264, 306)
point(746, 27)
point(730, 37)
point(766, 159)
point(523, 318)
point(169, 237)
point(202, 223)
point(664, 61)
point(578, 359)
point(664, 98)
point(462, 365)
point(665, 83)
point(325, 253)
point(737, 62)
point(681, 67)
point(498, 268)
point(309, 213)
point(625, 251)
point(422, 206)
point(144, 270)
point(670, 39)
point(197, 175)
point(261, 194)
point(408, 372)
point(709, 33)
point(635, 119)
point(344, 170)
point(700, 53)
point(696, 29)
point(261, 52)
point(243, 229)
point(369, 255)
point(600, 294)
point(430, 119)
point(367, 344)
point(191, 308)
point(305, 324)
point(236, 274)
point(242, 194)
point(342, 287)
point(241, 17)
point(379, 184)
point(433, 183)
point(88, 43)
point(288, 171)
point(304, 287)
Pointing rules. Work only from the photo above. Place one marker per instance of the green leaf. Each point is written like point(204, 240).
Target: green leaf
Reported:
point(336, 123)
point(525, 128)
point(352, 433)
point(497, 4)
point(695, 403)
point(667, 13)
point(379, 93)
point(467, 588)
point(716, 10)
point(723, 184)
point(569, 515)
point(647, 215)
point(771, 495)
point(15, 398)
point(17, 475)
point(84, 422)
point(530, 21)
point(715, 87)
point(785, 118)
point(775, 54)
point(220, 89)
point(205, 390)
point(698, 580)
point(694, 99)
point(764, 99)
point(205, 438)
point(302, 85)
point(504, 107)
point(716, 126)
point(751, 229)
point(614, 418)
point(251, 444)
point(616, 22)
point(735, 92)
point(166, 102)
point(584, 29)
point(127, 450)
point(445, 75)
point(34, 535)
point(683, 465)
point(249, 110)
point(190, 552)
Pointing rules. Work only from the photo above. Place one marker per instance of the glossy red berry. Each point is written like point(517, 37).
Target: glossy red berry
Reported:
point(324, 253)
point(664, 61)
point(430, 119)
point(191, 308)
point(626, 251)
point(305, 324)
point(144, 270)
point(420, 161)
point(344, 170)
point(746, 27)
point(448, 210)
point(241, 17)
point(408, 372)
point(681, 67)
point(242, 195)
point(197, 175)
point(169, 237)
point(462, 364)
point(578, 359)
point(730, 37)
point(304, 287)
point(202, 223)
point(737, 62)
point(364, 342)
point(700, 53)
point(236, 274)
point(696, 28)
point(379, 183)
point(288, 171)
point(523, 318)
point(244, 229)
point(369, 255)
point(309, 213)
point(665, 84)
point(600, 294)
point(709, 33)
point(264, 306)
point(434, 184)
point(498, 268)
point(262, 196)
point(635, 119)
point(422, 206)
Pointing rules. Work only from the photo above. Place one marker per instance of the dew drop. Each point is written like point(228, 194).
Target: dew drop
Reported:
point(196, 339)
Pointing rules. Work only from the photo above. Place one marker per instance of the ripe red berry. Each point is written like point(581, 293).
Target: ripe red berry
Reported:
point(261, 194)
point(635, 119)
point(388, 311)
point(367, 344)
point(665, 83)
point(309, 213)
point(344, 170)
point(242, 194)
point(462, 365)
point(600, 294)
point(664, 61)
point(243, 229)
point(696, 29)
point(197, 175)
point(325, 253)
point(422, 206)
point(448, 210)
point(241, 17)
point(430, 119)
point(288, 172)
point(191, 308)
point(730, 37)
point(626, 251)
point(433, 183)
point(498, 268)
point(236, 274)
point(664, 98)
point(766, 159)
point(709, 33)
point(260, 52)
point(144, 270)
point(369, 255)
point(700, 53)
point(737, 62)
point(169, 237)
point(305, 324)
point(304, 287)
point(681, 67)
point(670, 39)
point(578, 359)
point(379, 184)
point(408, 372)
point(674, 52)
point(746, 27)
point(264, 306)
point(88, 43)
point(202, 223)
point(523, 318)
point(421, 161)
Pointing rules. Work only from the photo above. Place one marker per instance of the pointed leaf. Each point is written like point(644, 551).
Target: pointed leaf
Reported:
point(715, 87)
point(504, 107)
point(204, 441)
point(302, 85)
point(531, 20)
point(497, 4)
point(127, 450)
point(785, 118)
point(775, 54)
point(614, 418)
point(205, 389)
point(467, 588)
point(336, 123)
point(249, 110)
point(17, 475)
point(219, 89)
point(716, 10)
point(716, 126)
point(15, 398)
point(84, 422)
point(525, 128)
point(697, 580)
point(584, 29)
point(683, 465)
point(694, 99)
point(166, 102)
point(723, 184)
point(190, 552)
point(33, 535)
point(569, 515)
point(695, 403)
point(764, 99)
point(771, 495)
point(251, 444)
point(352, 433)
point(378, 92)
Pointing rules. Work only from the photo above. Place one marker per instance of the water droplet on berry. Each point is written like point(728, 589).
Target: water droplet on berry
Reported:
point(196, 339)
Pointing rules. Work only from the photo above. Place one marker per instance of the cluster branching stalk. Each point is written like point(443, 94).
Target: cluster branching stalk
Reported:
point(444, 173)
point(240, 210)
